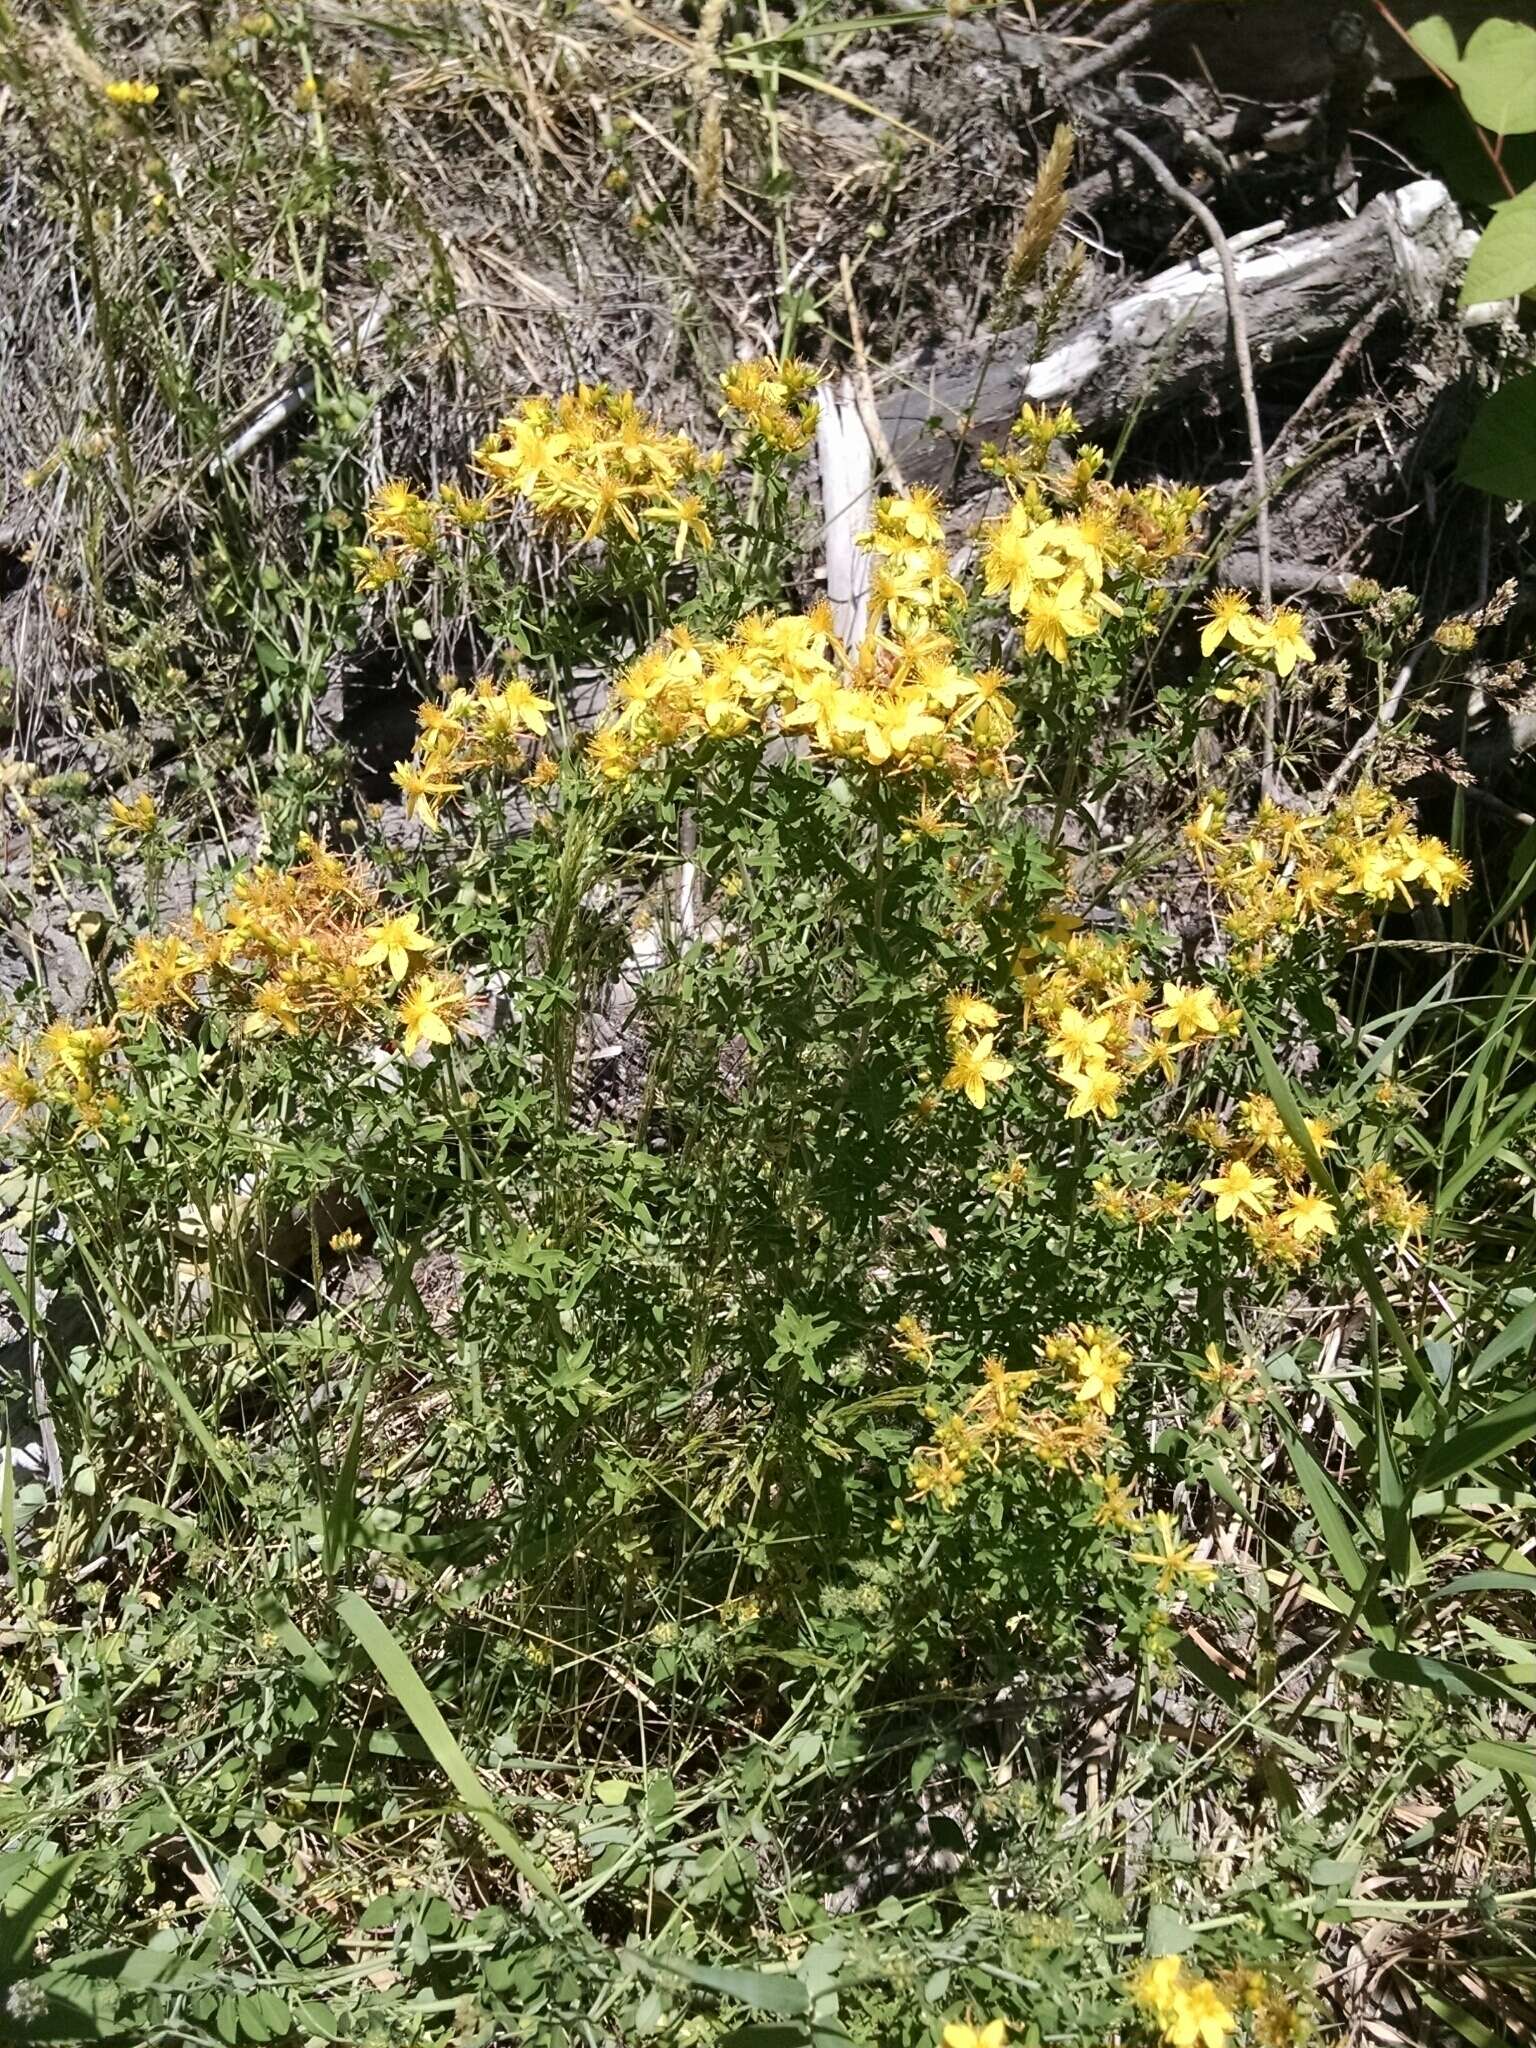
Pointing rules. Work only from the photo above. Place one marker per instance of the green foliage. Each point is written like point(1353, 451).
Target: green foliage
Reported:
point(1495, 76)
point(655, 1512)
point(1499, 453)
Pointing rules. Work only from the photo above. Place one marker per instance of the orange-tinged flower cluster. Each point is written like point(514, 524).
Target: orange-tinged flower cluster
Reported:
point(65, 1067)
point(994, 1424)
point(1389, 1203)
point(405, 529)
point(774, 401)
point(486, 728)
point(1140, 1208)
point(1188, 2009)
point(1064, 1427)
point(1262, 1185)
point(1286, 872)
point(1095, 1360)
point(591, 462)
point(312, 951)
point(1106, 1024)
point(1069, 535)
point(903, 703)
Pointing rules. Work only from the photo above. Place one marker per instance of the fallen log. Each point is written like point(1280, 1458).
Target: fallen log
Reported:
point(1172, 336)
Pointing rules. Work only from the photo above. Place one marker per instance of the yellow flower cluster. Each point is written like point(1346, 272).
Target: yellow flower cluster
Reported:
point(1083, 1366)
point(774, 401)
point(1188, 2008)
point(405, 529)
point(1105, 1024)
point(1278, 642)
point(65, 1068)
point(1068, 534)
point(591, 461)
point(312, 951)
point(1286, 872)
point(912, 584)
point(900, 703)
point(1262, 1183)
point(481, 729)
point(131, 92)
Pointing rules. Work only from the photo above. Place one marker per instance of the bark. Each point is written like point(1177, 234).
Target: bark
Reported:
point(1171, 338)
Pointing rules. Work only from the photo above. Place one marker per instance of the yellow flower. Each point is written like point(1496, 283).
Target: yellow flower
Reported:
point(1173, 1560)
point(1100, 1372)
point(19, 1092)
point(523, 709)
point(134, 818)
point(1441, 871)
point(992, 2035)
point(1190, 1012)
point(396, 943)
point(1309, 1216)
point(1053, 616)
point(1118, 1508)
point(1204, 830)
point(917, 515)
point(965, 1012)
point(430, 1011)
point(1226, 608)
point(374, 568)
point(131, 92)
point(1095, 1092)
point(975, 1067)
point(274, 1007)
point(424, 789)
point(1238, 1188)
point(1281, 639)
point(1079, 1041)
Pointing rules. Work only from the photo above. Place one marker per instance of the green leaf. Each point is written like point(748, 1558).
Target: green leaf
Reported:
point(1518, 1757)
point(1467, 2024)
point(1449, 1682)
point(1497, 77)
point(757, 1990)
point(1518, 1334)
point(1435, 41)
point(1503, 265)
point(1332, 1516)
point(1477, 1443)
point(27, 1906)
point(1499, 453)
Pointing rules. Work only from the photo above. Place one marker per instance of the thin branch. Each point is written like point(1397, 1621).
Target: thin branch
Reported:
point(1216, 235)
point(863, 386)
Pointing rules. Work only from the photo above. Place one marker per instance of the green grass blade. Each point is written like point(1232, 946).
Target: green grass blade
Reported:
point(405, 1682)
point(1478, 1442)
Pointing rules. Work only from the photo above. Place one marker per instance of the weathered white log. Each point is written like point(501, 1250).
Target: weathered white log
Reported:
point(846, 463)
point(1172, 337)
